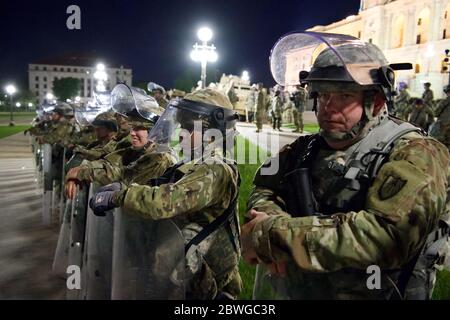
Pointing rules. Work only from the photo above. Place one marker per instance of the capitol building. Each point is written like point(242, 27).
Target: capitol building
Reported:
point(415, 31)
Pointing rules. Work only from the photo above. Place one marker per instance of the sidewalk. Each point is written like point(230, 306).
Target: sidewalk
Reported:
point(26, 246)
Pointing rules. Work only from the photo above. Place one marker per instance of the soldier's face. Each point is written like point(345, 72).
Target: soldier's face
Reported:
point(339, 111)
point(55, 116)
point(139, 137)
point(102, 133)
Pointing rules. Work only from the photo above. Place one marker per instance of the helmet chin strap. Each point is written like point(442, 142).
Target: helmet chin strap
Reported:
point(360, 129)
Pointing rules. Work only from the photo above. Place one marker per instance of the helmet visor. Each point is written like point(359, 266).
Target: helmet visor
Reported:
point(303, 51)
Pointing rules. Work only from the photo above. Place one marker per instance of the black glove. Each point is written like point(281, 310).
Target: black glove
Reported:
point(102, 202)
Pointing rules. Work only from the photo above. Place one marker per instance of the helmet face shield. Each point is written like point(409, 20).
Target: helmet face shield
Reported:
point(127, 101)
point(189, 125)
point(328, 57)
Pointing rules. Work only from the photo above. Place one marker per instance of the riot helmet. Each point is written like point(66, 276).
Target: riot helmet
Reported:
point(137, 107)
point(205, 114)
point(335, 62)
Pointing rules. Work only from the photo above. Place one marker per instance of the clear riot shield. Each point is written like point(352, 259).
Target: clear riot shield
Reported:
point(61, 259)
point(77, 231)
point(62, 196)
point(148, 259)
point(97, 254)
point(48, 184)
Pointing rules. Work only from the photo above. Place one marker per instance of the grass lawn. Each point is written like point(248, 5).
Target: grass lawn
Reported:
point(7, 130)
point(309, 127)
point(247, 171)
point(19, 117)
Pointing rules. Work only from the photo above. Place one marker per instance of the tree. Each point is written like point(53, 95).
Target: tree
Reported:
point(66, 88)
point(191, 76)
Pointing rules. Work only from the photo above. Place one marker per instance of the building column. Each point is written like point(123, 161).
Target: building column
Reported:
point(436, 18)
point(410, 32)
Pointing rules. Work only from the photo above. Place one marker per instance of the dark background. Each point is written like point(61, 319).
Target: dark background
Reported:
point(155, 37)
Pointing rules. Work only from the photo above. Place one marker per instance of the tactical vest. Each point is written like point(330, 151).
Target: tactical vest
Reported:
point(415, 280)
point(228, 219)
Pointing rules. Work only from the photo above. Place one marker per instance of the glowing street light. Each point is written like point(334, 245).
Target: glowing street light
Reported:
point(245, 76)
point(101, 76)
point(204, 53)
point(30, 105)
point(49, 96)
point(18, 104)
point(11, 89)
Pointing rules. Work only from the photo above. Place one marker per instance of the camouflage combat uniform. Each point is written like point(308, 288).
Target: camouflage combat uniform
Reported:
point(421, 117)
point(128, 165)
point(428, 97)
point(276, 111)
point(204, 191)
point(259, 109)
point(60, 132)
point(442, 126)
point(300, 98)
point(328, 253)
point(401, 104)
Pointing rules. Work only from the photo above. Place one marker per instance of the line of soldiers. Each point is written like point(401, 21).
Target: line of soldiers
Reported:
point(432, 116)
point(368, 190)
point(262, 106)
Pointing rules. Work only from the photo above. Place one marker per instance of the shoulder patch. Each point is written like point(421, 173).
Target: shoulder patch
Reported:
point(390, 187)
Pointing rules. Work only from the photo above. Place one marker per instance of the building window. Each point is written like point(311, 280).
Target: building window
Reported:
point(36, 68)
point(69, 70)
point(419, 22)
point(37, 92)
point(445, 15)
point(370, 40)
point(417, 68)
point(45, 78)
point(45, 86)
point(61, 69)
point(37, 78)
point(418, 39)
point(75, 70)
point(37, 86)
point(55, 69)
point(444, 34)
point(45, 68)
point(359, 34)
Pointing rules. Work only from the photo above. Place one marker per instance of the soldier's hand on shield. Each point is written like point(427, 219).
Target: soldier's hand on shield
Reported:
point(102, 202)
point(70, 188)
point(248, 250)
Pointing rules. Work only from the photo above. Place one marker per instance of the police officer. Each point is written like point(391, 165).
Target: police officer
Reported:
point(441, 129)
point(199, 194)
point(368, 190)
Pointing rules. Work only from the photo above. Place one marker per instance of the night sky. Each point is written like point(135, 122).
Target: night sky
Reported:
point(155, 37)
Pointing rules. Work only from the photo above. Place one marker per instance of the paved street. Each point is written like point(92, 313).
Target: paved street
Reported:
point(26, 246)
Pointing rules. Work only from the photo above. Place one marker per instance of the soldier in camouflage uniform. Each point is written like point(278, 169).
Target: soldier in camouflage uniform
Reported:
point(401, 101)
point(352, 202)
point(250, 104)
point(299, 98)
point(276, 110)
point(105, 127)
point(159, 93)
point(62, 126)
point(196, 193)
point(260, 107)
point(441, 128)
point(428, 94)
point(143, 160)
point(421, 115)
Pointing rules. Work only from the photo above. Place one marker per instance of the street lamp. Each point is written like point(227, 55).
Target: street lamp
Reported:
point(204, 53)
point(11, 89)
point(101, 76)
point(245, 76)
point(18, 104)
point(30, 105)
point(49, 96)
